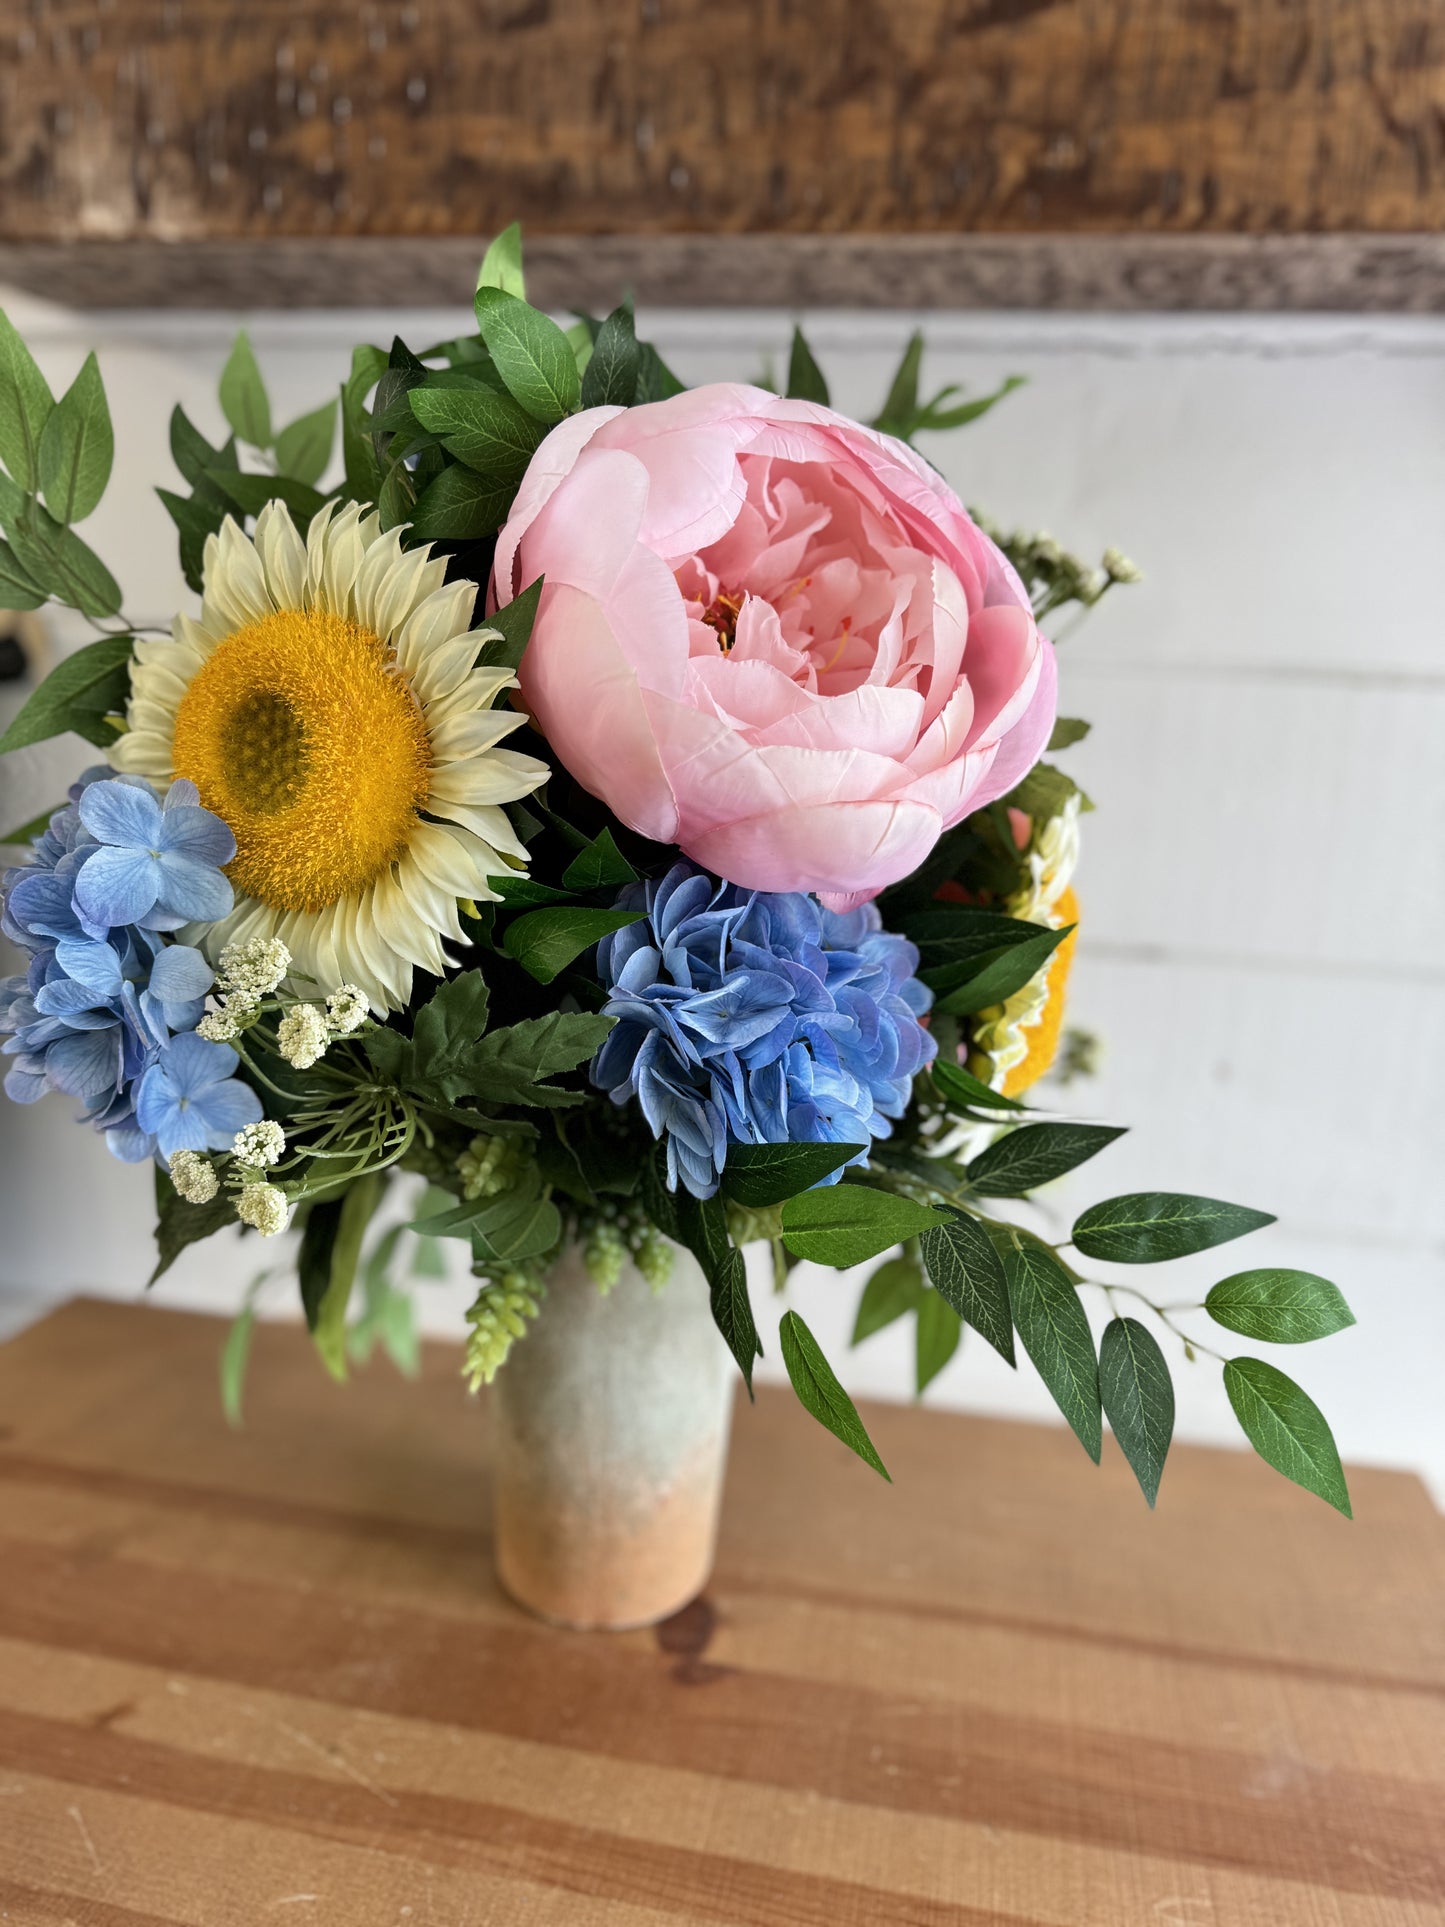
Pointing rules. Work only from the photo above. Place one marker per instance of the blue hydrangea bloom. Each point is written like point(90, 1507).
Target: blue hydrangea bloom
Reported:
point(158, 865)
point(190, 1101)
point(101, 1001)
point(748, 1018)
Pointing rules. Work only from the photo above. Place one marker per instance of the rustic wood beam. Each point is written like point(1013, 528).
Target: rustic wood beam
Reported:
point(1343, 273)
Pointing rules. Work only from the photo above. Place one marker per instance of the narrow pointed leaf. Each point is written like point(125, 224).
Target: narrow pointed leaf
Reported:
point(1138, 1396)
point(732, 1313)
point(894, 1288)
point(1056, 1336)
point(846, 1224)
point(532, 354)
point(968, 1271)
point(611, 376)
point(818, 1389)
point(303, 448)
point(1150, 1227)
point(1034, 1155)
point(1287, 1429)
point(758, 1175)
point(244, 401)
point(936, 1339)
point(77, 694)
point(77, 447)
point(1279, 1307)
point(502, 263)
point(25, 405)
point(806, 381)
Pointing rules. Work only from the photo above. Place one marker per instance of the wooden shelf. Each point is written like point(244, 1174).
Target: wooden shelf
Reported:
point(269, 1675)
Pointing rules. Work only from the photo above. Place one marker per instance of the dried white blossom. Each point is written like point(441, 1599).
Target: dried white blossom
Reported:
point(219, 1026)
point(346, 1009)
point(262, 1206)
point(1119, 568)
point(254, 967)
point(193, 1176)
point(260, 1144)
point(302, 1036)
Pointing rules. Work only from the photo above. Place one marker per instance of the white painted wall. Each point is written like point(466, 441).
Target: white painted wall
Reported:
point(1262, 884)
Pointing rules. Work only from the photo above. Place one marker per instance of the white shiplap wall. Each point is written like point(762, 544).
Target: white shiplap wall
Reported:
point(1262, 885)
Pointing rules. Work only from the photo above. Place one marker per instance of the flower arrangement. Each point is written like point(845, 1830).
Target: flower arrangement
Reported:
point(626, 807)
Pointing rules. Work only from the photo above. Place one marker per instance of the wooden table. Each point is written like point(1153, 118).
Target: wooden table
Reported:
point(267, 1677)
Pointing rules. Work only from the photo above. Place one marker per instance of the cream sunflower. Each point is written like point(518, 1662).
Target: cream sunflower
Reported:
point(327, 705)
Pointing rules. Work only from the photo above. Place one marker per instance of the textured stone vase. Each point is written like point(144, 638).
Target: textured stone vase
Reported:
point(610, 1432)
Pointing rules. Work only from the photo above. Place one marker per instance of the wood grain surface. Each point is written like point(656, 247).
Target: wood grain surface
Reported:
point(165, 122)
point(268, 1676)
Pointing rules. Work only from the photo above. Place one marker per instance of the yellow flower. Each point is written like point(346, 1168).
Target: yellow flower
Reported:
point(328, 707)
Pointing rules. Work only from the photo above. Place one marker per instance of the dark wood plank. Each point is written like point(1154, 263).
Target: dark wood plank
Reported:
point(210, 124)
point(997, 1691)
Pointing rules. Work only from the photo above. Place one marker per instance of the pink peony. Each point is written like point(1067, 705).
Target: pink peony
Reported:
point(771, 637)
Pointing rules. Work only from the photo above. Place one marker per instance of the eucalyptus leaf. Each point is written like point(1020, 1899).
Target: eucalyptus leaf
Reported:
point(818, 1389)
point(894, 1289)
point(1055, 1333)
point(1138, 1396)
point(460, 506)
point(303, 448)
point(532, 355)
point(806, 381)
point(244, 401)
point(1150, 1227)
point(78, 694)
point(1279, 1307)
point(544, 942)
point(502, 263)
point(1035, 1154)
point(610, 380)
point(77, 447)
point(846, 1224)
point(1287, 1429)
point(759, 1175)
point(936, 1339)
point(967, 1270)
point(601, 866)
point(25, 405)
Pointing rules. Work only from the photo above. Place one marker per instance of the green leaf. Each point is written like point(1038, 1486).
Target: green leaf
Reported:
point(601, 866)
point(196, 517)
point(655, 380)
point(502, 263)
point(1035, 1154)
point(235, 1356)
point(732, 1312)
point(544, 942)
point(54, 557)
point(1068, 730)
point(77, 447)
point(1279, 1307)
point(244, 401)
point(846, 1224)
point(902, 404)
point(805, 377)
point(894, 1288)
point(999, 973)
point(968, 1272)
point(460, 506)
point(303, 448)
point(817, 1388)
point(510, 1066)
point(363, 471)
point(532, 354)
point(516, 1226)
point(313, 1261)
point(251, 493)
point(702, 1226)
point(446, 1032)
point(657, 1201)
point(611, 377)
point(396, 498)
point(353, 1214)
point(934, 416)
point(758, 1175)
point(489, 433)
point(513, 622)
point(179, 1224)
point(1138, 1396)
point(962, 1089)
point(17, 591)
point(25, 405)
point(1056, 1336)
point(1287, 1429)
point(194, 456)
point(77, 694)
point(1150, 1227)
point(936, 1339)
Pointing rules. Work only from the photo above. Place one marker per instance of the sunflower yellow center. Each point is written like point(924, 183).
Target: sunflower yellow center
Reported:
point(300, 732)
